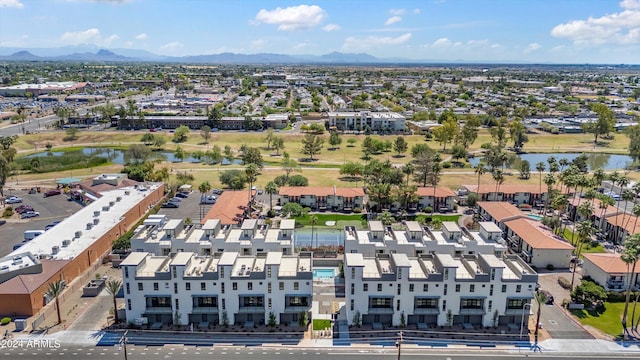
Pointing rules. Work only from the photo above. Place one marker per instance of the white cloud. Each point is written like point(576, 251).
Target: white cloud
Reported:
point(258, 44)
point(558, 48)
point(442, 42)
point(393, 19)
point(102, 1)
point(301, 17)
point(89, 36)
point(172, 46)
point(483, 42)
point(617, 28)
point(331, 27)
point(142, 36)
point(11, 3)
point(20, 41)
point(416, 11)
point(397, 11)
point(532, 47)
point(358, 44)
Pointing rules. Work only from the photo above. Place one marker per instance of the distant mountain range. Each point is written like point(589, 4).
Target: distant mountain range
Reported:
point(95, 54)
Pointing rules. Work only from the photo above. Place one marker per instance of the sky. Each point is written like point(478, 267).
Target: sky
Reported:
point(556, 31)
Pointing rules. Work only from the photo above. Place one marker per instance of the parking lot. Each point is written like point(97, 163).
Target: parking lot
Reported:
point(50, 208)
point(189, 208)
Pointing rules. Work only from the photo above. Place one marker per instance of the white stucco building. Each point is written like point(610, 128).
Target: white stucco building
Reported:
point(359, 120)
point(225, 288)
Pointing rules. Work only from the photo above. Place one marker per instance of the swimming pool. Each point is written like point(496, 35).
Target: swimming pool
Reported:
point(324, 273)
point(534, 217)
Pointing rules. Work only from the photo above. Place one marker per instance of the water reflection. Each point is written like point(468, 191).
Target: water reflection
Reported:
point(594, 160)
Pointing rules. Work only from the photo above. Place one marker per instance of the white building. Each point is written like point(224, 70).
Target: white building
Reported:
point(224, 288)
point(359, 120)
point(437, 290)
point(161, 236)
point(416, 240)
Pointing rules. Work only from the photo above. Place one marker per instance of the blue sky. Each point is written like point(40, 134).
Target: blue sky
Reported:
point(561, 31)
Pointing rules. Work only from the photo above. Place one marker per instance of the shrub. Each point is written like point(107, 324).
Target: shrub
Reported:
point(549, 267)
point(428, 209)
point(564, 282)
point(446, 164)
point(616, 297)
point(357, 210)
point(8, 211)
point(5, 321)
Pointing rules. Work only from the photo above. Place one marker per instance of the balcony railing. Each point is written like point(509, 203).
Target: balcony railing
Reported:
point(380, 310)
point(159, 310)
point(204, 310)
point(250, 309)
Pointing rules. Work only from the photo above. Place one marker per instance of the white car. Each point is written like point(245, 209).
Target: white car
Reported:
point(29, 214)
point(13, 200)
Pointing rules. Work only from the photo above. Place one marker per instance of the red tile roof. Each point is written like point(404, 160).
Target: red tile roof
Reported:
point(626, 221)
point(441, 192)
point(595, 206)
point(537, 235)
point(500, 210)
point(321, 191)
point(607, 262)
point(229, 207)
point(510, 188)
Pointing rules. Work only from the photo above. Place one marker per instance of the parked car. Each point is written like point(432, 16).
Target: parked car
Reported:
point(23, 209)
point(548, 295)
point(170, 205)
point(52, 192)
point(13, 200)
point(210, 199)
point(217, 191)
point(182, 195)
point(175, 199)
point(29, 214)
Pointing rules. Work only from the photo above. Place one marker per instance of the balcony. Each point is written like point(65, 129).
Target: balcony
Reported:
point(380, 310)
point(426, 311)
point(158, 310)
point(250, 309)
point(204, 310)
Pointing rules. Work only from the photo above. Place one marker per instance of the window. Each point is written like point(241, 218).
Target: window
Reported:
point(457, 287)
point(126, 271)
point(249, 285)
point(381, 303)
point(281, 285)
point(490, 304)
point(353, 273)
point(296, 285)
point(399, 289)
point(155, 286)
point(140, 286)
point(444, 305)
point(411, 287)
point(446, 274)
point(128, 289)
point(399, 273)
point(472, 288)
point(471, 303)
point(425, 287)
point(234, 286)
point(224, 304)
point(445, 289)
point(504, 288)
point(177, 304)
point(269, 288)
point(398, 304)
point(352, 305)
point(353, 289)
point(269, 303)
point(268, 271)
point(518, 288)
point(207, 301)
point(365, 287)
point(426, 303)
point(222, 272)
point(379, 287)
point(128, 304)
point(187, 286)
point(175, 288)
point(174, 271)
point(515, 303)
point(203, 286)
point(222, 288)
point(493, 274)
point(491, 290)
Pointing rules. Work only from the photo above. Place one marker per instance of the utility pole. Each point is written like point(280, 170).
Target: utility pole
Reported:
point(399, 343)
point(123, 341)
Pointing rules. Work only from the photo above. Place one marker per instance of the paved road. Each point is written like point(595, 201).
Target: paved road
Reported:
point(181, 352)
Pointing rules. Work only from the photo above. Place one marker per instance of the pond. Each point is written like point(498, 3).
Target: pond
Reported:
point(594, 161)
point(321, 237)
point(116, 156)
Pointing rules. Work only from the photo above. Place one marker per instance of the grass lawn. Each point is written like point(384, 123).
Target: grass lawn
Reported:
point(305, 220)
point(453, 218)
point(607, 321)
point(586, 248)
point(321, 324)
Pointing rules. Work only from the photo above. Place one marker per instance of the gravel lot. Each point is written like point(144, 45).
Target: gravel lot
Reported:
point(51, 208)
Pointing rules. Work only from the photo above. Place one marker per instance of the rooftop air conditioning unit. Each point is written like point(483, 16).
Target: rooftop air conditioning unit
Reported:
point(89, 226)
point(96, 213)
point(55, 250)
point(105, 208)
point(96, 221)
point(118, 199)
point(127, 192)
point(111, 203)
point(66, 243)
point(78, 234)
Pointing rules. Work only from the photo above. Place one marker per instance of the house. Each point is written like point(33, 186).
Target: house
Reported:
point(445, 199)
point(537, 244)
point(498, 212)
point(323, 198)
point(437, 289)
point(609, 271)
point(618, 227)
point(231, 208)
point(516, 194)
point(599, 212)
point(227, 288)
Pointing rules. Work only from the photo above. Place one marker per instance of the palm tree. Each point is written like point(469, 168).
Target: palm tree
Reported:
point(271, 188)
point(313, 221)
point(540, 169)
point(434, 178)
point(549, 180)
point(113, 287)
point(598, 177)
point(54, 291)
point(585, 231)
point(498, 177)
point(251, 171)
point(630, 255)
point(479, 170)
point(407, 170)
point(541, 298)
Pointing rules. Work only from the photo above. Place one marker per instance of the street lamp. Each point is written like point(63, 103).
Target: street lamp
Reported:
point(522, 318)
point(123, 342)
point(399, 343)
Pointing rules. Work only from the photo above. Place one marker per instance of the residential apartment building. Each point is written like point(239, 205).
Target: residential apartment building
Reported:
point(518, 194)
point(227, 288)
point(417, 240)
point(323, 198)
point(498, 212)
point(437, 290)
point(537, 244)
point(160, 236)
point(609, 271)
point(444, 200)
point(360, 120)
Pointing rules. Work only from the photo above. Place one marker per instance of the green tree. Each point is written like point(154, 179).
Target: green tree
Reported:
point(633, 132)
point(312, 145)
point(72, 133)
point(180, 154)
point(400, 145)
point(540, 169)
point(498, 177)
point(269, 137)
point(251, 173)
point(447, 132)
point(313, 220)
point(113, 287)
point(604, 124)
point(205, 132)
point(181, 134)
point(386, 218)
point(518, 133)
point(252, 155)
point(228, 154)
point(289, 165)
point(148, 139)
point(293, 209)
point(54, 291)
point(271, 188)
point(541, 299)
point(278, 144)
point(234, 179)
point(334, 140)
point(5, 172)
point(136, 154)
point(204, 187)
point(469, 132)
point(159, 141)
point(499, 135)
point(423, 162)
point(525, 169)
point(630, 256)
